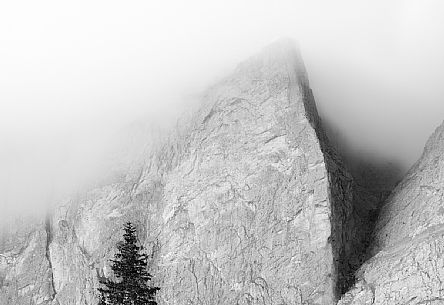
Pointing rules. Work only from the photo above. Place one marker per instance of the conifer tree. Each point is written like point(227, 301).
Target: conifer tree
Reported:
point(130, 268)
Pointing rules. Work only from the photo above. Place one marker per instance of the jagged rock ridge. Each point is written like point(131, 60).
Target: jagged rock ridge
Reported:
point(246, 203)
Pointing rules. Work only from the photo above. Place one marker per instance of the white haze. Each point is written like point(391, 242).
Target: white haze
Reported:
point(72, 74)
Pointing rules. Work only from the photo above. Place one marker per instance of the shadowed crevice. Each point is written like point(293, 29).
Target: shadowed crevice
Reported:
point(372, 180)
point(48, 254)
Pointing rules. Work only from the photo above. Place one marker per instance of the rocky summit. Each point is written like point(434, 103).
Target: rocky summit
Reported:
point(245, 202)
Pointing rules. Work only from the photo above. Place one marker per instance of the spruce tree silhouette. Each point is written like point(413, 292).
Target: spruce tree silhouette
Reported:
point(130, 268)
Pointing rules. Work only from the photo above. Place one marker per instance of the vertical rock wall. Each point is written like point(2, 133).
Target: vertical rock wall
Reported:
point(247, 209)
point(25, 268)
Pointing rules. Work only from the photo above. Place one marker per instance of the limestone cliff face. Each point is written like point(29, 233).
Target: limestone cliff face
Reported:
point(407, 266)
point(23, 248)
point(245, 203)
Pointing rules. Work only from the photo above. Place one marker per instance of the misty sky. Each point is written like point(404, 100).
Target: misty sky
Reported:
point(72, 74)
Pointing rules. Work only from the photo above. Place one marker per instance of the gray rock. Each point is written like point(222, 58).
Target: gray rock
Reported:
point(245, 203)
point(25, 270)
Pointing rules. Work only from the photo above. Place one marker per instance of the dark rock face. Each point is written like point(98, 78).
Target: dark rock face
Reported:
point(373, 180)
point(246, 203)
point(407, 262)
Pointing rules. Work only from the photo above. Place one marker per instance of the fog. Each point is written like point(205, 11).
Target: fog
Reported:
point(74, 75)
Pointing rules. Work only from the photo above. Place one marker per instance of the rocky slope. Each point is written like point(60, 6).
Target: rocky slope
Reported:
point(245, 203)
point(407, 266)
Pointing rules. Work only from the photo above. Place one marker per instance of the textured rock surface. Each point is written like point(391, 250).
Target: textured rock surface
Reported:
point(244, 204)
point(407, 266)
point(25, 271)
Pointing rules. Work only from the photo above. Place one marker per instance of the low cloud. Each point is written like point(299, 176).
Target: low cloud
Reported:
point(74, 75)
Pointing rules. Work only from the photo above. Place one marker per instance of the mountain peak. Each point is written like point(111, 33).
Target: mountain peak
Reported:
point(281, 55)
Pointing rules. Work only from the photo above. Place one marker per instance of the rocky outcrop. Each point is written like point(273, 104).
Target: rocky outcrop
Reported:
point(407, 264)
point(25, 267)
point(245, 203)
